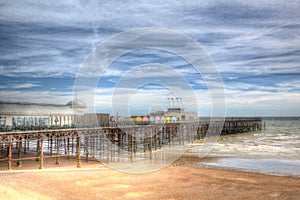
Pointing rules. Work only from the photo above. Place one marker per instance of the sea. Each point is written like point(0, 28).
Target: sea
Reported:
point(274, 150)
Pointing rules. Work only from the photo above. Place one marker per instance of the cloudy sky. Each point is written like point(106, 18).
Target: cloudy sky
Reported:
point(255, 46)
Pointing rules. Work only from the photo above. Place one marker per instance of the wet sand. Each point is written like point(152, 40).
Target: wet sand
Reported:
point(95, 181)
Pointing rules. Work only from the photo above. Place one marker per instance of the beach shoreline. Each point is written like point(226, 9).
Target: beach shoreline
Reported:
point(97, 181)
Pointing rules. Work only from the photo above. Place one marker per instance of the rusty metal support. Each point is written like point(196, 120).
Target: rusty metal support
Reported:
point(68, 146)
point(24, 151)
point(37, 150)
point(108, 146)
point(57, 151)
point(19, 162)
point(150, 145)
point(9, 157)
point(51, 145)
point(78, 151)
point(86, 147)
point(41, 153)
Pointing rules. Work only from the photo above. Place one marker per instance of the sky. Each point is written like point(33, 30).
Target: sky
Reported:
point(254, 45)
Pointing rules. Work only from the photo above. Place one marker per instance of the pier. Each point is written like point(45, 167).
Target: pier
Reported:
point(112, 144)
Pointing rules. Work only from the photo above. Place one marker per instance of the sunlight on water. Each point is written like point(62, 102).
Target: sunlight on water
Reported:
point(277, 147)
point(268, 166)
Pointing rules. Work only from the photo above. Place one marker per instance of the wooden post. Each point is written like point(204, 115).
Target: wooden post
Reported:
point(51, 145)
point(87, 148)
point(72, 148)
point(179, 133)
point(135, 145)
point(93, 145)
point(41, 153)
point(122, 140)
point(65, 145)
point(112, 145)
point(97, 145)
point(24, 151)
point(78, 151)
point(128, 139)
point(150, 147)
point(19, 162)
point(9, 157)
point(102, 144)
point(160, 137)
point(172, 133)
point(68, 151)
point(37, 150)
point(155, 137)
point(165, 135)
point(108, 146)
point(188, 128)
point(28, 145)
point(183, 133)
point(57, 151)
point(145, 143)
point(131, 147)
point(48, 143)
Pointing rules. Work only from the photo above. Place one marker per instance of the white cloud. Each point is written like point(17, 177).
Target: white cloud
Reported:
point(255, 45)
point(36, 96)
point(25, 86)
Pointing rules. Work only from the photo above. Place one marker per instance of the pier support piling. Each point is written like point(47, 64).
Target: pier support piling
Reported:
point(9, 157)
point(78, 151)
point(57, 151)
point(19, 162)
point(41, 153)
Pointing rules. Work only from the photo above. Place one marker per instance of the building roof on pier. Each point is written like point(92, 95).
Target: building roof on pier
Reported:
point(20, 108)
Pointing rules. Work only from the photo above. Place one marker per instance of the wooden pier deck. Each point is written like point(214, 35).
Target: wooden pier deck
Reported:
point(108, 143)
